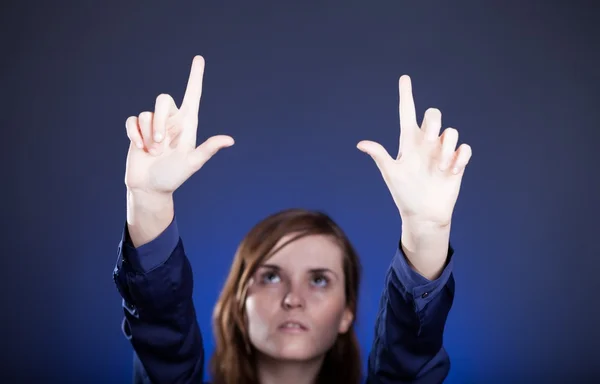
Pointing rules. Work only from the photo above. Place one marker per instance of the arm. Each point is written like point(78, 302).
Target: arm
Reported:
point(408, 344)
point(153, 274)
point(424, 179)
point(156, 284)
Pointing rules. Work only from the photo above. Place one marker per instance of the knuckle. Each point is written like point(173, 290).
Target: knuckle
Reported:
point(145, 117)
point(450, 135)
point(451, 131)
point(433, 111)
point(162, 98)
point(468, 152)
point(131, 125)
point(130, 121)
point(164, 102)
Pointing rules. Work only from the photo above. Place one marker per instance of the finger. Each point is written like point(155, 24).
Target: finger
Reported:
point(376, 151)
point(449, 140)
point(145, 125)
point(133, 132)
point(163, 109)
point(208, 149)
point(463, 155)
point(432, 123)
point(408, 117)
point(193, 91)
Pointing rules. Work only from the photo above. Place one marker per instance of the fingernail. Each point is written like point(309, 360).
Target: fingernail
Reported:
point(158, 136)
point(455, 170)
point(139, 145)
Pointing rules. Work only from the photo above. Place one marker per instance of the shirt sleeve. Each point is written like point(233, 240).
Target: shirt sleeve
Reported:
point(155, 282)
point(408, 344)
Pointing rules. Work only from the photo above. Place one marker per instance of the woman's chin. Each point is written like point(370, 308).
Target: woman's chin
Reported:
point(294, 352)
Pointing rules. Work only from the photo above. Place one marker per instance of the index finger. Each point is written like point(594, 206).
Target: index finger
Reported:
point(408, 116)
point(193, 91)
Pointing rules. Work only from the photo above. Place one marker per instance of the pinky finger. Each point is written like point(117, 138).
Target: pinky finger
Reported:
point(463, 156)
point(133, 132)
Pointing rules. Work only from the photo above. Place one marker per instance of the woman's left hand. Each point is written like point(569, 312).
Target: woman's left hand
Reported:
point(425, 177)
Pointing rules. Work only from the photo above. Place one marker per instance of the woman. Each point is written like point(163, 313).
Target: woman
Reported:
point(286, 312)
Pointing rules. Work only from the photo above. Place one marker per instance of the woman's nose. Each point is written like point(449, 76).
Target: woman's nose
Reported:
point(293, 300)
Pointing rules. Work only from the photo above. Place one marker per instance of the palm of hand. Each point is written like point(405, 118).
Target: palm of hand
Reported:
point(163, 154)
point(163, 173)
point(424, 179)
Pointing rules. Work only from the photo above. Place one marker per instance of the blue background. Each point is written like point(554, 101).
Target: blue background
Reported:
point(298, 84)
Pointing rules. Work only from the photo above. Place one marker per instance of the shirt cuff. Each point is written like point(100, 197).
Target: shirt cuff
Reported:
point(415, 284)
point(146, 257)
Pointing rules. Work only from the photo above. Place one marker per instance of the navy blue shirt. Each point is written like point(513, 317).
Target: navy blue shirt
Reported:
point(156, 283)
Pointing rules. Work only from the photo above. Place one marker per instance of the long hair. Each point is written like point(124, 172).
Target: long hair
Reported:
point(233, 360)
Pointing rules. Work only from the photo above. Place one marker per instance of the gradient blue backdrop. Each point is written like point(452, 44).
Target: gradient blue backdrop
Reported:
point(298, 84)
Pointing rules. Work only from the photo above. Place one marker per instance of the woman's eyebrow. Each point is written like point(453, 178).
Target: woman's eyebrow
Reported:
point(271, 266)
point(312, 270)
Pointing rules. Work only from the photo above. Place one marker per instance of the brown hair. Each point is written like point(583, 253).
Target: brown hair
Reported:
point(233, 359)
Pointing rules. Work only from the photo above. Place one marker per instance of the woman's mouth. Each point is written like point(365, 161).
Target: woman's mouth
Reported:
point(293, 327)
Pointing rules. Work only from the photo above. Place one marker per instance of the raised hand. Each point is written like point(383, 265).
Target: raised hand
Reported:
point(425, 177)
point(162, 153)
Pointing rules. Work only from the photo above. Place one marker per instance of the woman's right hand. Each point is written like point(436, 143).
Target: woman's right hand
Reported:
point(162, 152)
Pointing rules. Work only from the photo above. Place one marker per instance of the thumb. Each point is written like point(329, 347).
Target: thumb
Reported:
point(376, 151)
point(208, 149)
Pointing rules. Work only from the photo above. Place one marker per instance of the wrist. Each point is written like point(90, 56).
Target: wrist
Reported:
point(149, 201)
point(148, 215)
point(426, 247)
point(425, 231)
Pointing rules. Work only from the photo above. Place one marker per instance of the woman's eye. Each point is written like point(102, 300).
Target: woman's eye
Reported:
point(270, 278)
point(320, 281)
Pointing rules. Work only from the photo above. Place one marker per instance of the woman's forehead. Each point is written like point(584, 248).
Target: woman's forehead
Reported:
point(313, 251)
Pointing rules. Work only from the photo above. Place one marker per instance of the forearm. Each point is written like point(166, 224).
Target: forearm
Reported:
point(160, 320)
point(426, 247)
point(408, 344)
point(148, 215)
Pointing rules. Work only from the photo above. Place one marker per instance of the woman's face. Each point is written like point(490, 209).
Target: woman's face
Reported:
point(296, 304)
